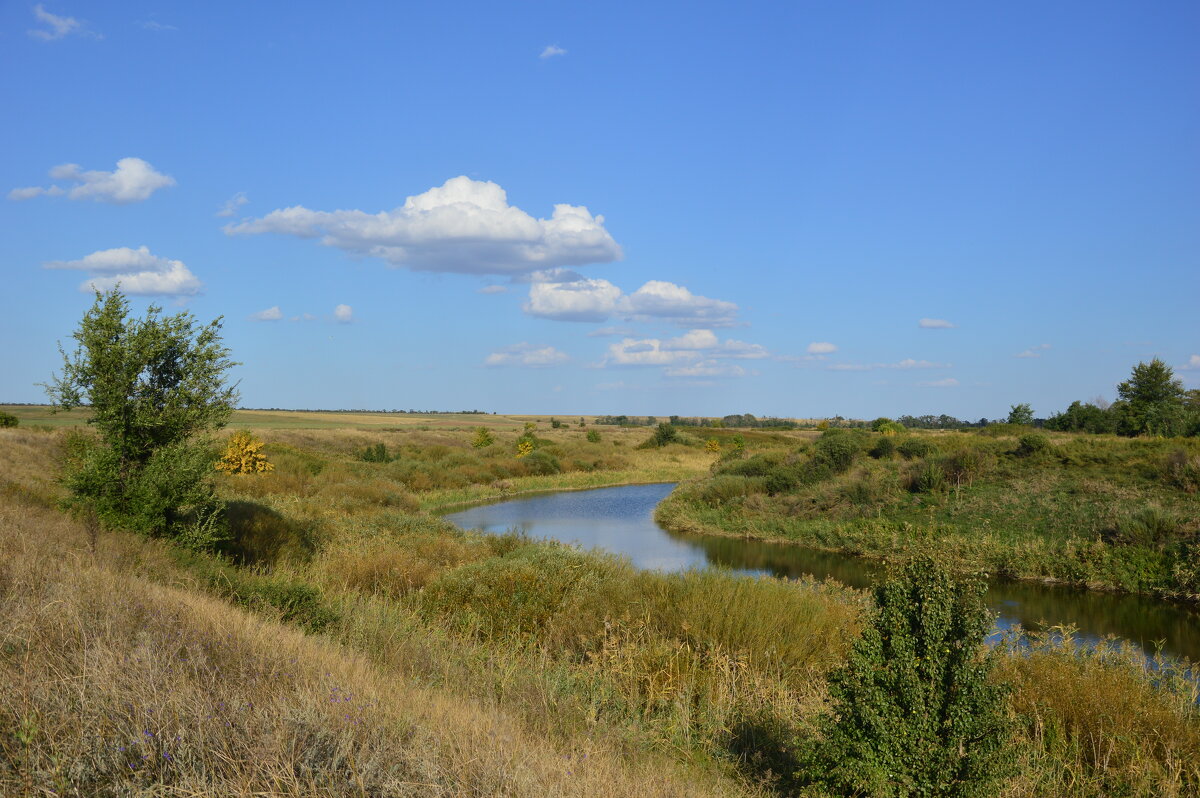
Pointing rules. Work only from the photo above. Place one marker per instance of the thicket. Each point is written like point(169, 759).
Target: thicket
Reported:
point(1152, 402)
point(8, 419)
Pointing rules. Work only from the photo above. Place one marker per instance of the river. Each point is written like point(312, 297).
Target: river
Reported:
point(621, 520)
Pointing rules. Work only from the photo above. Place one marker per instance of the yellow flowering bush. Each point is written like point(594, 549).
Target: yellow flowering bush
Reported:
point(243, 455)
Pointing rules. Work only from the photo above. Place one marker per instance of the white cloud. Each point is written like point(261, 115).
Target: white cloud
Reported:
point(138, 271)
point(270, 314)
point(526, 355)
point(303, 317)
point(595, 300)
point(821, 348)
point(1033, 351)
point(464, 226)
point(581, 300)
point(1193, 363)
point(230, 206)
point(344, 314)
point(155, 26)
point(133, 180)
point(935, 324)
point(907, 363)
point(949, 382)
point(551, 51)
point(691, 348)
point(658, 299)
point(493, 289)
point(706, 368)
point(58, 27)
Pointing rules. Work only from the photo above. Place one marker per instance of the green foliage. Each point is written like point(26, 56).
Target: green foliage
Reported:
point(377, 453)
point(929, 478)
point(1183, 471)
point(556, 424)
point(883, 449)
point(886, 426)
point(1032, 443)
point(483, 438)
point(836, 450)
point(1080, 417)
point(1152, 401)
point(1151, 527)
point(914, 711)
point(915, 448)
point(8, 419)
point(593, 436)
point(542, 463)
point(156, 386)
point(664, 434)
point(1020, 415)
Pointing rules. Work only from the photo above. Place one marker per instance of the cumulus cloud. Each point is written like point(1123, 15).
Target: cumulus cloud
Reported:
point(691, 348)
point(58, 27)
point(821, 348)
point(1033, 351)
point(464, 226)
point(907, 363)
point(137, 271)
point(581, 300)
point(230, 206)
point(551, 51)
point(270, 314)
point(344, 314)
point(949, 382)
point(134, 180)
point(526, 355)
point(1193, 363)
point(595, 300)
point(935, 324)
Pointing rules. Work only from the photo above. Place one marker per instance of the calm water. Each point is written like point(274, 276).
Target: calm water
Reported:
point(621, 520)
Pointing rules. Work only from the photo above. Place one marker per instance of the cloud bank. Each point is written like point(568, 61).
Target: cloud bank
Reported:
point(464, 226)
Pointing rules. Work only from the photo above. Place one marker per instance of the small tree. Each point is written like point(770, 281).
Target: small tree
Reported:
point(244, 455)
point(914, 711)
point(1020, 414)
point(8, 419)
point(1152, 401)
point(156, 387)
point(593, 436)
point(713, 446)
point(483, 438)
point(524, 448)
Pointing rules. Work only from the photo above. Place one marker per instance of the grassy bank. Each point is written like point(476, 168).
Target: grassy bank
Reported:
point(485, 665)
point(1093, 511)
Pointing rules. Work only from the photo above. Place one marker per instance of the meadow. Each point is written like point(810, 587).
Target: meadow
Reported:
point(348, 641)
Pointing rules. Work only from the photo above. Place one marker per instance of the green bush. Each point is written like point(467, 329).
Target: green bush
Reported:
point(914, 712)
point(883, 449)
point(375, 454)
point(8, 419)
point(1032, 443)
point(781, 479)
point(929, 478)
point(915, 448)
point(836, 450)
point(542, 463)
point(664, 434)
point(593, 436)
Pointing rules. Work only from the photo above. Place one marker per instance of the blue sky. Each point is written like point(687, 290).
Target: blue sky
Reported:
point(799, 209)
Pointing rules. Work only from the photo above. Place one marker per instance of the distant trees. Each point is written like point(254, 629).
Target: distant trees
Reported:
point(1152, 402)
point(156, 387)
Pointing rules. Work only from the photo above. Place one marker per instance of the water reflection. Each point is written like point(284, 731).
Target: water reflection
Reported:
point(621, 520)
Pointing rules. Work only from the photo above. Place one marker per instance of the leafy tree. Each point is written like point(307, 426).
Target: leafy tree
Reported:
point(8, 419)
point(1020, 414)
point(914, 711)
point(156, 387)
point(1152, 401)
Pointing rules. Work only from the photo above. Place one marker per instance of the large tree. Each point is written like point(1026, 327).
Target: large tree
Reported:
point(1152, 401)
point(156, 386)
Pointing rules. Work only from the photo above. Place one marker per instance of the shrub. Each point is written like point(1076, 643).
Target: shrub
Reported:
point(928, 478)
point(542, 463)
point(1183, 471)
point(243, 455)
point(8, 419)
point(883, 449)
point(837, 451)
point(524, 448)
point(1152, 527)
point(375, 454)
point(593, 436)
point(1032, 443)
point(781, 479)
point(914, 711)
point(664, 434)
point(483, 438)
point(915, 448)
point(713, 446)
point(964, 466)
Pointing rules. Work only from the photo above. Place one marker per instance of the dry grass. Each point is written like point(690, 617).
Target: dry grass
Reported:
point(113, 685)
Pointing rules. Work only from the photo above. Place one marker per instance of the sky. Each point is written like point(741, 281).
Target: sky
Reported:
point(798, 209)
